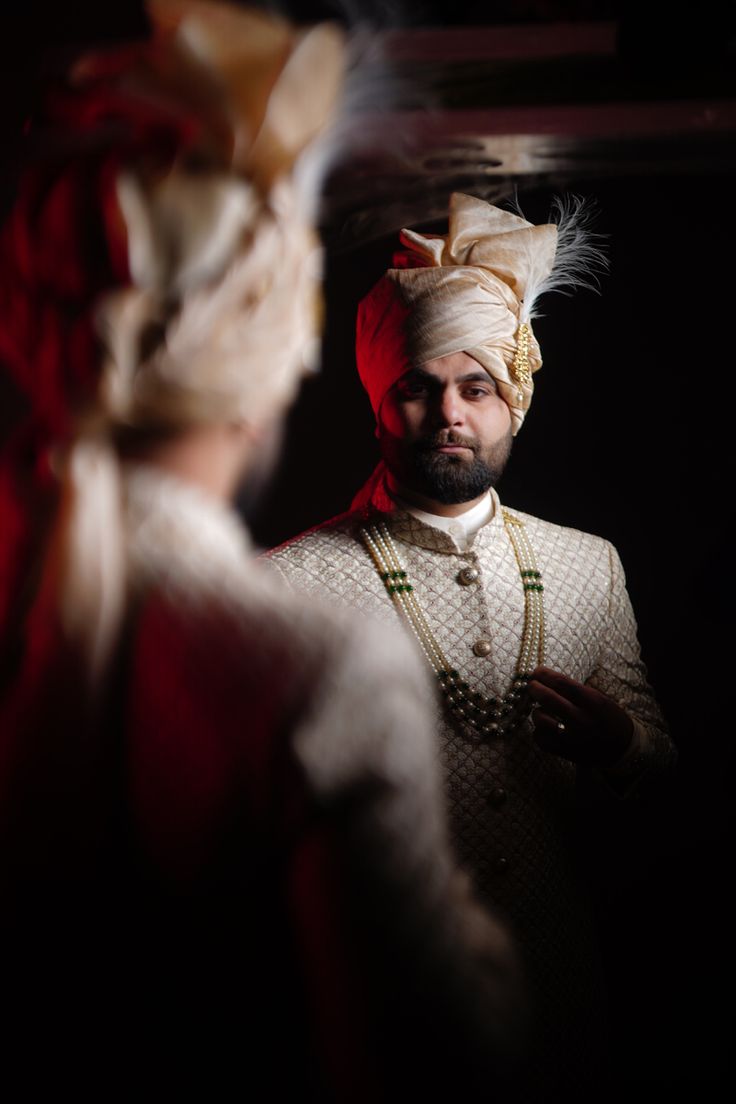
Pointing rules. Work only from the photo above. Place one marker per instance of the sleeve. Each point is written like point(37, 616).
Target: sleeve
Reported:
point(441, 970)
point(621, 675)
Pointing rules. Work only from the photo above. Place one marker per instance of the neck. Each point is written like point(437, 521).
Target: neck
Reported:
point(209, 457)
point(430, 505)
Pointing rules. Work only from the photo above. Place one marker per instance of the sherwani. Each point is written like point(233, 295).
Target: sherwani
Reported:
point(237, 860)
point(512, 806)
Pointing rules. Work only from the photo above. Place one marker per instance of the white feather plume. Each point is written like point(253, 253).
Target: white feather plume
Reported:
point(580, 259)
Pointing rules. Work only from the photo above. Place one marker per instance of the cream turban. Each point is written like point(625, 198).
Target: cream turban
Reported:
point(221, 317)
point(471, 290)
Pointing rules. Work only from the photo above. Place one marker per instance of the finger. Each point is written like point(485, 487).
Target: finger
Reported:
point(544, 721)
point(552, 703)
point(570, 689)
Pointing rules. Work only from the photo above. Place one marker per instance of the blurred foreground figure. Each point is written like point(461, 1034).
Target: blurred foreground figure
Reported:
point(223, 860)
point(526, 625)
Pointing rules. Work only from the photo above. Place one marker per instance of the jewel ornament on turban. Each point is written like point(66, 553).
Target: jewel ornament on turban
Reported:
point(473, 290)
point(159, 269)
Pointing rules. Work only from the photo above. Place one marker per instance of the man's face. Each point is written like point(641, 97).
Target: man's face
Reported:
point(444, 430)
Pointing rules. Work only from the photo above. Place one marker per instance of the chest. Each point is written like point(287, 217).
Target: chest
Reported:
point(476, 607)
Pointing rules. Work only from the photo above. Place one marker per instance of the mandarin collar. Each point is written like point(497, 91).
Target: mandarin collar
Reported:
point(405, 527)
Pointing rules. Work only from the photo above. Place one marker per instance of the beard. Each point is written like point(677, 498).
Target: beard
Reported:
point(441, 476)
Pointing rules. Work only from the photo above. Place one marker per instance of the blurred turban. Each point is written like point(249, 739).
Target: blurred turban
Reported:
point(164, 221)
point(159, 268)
point(472, 290)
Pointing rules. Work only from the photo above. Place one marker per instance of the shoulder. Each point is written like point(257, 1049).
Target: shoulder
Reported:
point(328, 552)
point(564, 543)
point(349, 694)
point(206, 611)
point(249, 631)
point(337, 531)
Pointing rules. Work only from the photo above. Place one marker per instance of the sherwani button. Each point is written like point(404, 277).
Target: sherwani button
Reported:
point(482, 647)
point(467, 576)
point(501, 864)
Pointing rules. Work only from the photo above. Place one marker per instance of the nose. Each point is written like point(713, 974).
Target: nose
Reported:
point(448, 408)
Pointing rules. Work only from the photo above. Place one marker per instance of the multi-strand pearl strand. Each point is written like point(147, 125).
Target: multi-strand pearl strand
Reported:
point(531, 654)
point(485, 717)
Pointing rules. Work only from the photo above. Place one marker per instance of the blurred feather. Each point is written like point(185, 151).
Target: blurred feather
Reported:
point(580, 259)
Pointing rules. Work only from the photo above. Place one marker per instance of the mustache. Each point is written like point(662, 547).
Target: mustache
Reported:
point(446, 437)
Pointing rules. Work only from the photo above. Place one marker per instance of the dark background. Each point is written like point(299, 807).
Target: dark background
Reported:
point(630, 436)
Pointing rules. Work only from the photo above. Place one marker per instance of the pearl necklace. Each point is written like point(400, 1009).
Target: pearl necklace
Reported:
point(484, 717)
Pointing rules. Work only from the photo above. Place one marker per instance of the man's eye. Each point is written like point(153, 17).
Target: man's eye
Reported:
point(412, 390)
point(477, 392)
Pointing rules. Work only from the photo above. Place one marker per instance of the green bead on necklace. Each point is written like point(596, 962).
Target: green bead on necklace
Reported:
point(483, 717)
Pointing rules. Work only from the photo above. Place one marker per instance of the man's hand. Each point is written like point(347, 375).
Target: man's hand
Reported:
point(577, 722)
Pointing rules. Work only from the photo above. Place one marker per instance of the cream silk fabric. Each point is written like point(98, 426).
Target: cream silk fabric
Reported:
point(512, 806)
point(461, 292)
point(221, 318)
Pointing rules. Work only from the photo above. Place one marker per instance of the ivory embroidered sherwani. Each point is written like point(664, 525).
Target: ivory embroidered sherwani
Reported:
point(221, 863)
point(512, 806)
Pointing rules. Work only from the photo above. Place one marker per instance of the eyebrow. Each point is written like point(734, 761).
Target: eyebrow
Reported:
point(483, 377)
point(419, 373)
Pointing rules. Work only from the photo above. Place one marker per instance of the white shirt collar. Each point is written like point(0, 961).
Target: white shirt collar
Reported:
point(461, 528)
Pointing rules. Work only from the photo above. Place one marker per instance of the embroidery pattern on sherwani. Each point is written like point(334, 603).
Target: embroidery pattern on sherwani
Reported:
point(512, 807)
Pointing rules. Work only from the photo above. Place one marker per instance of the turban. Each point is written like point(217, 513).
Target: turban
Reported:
point(471, 290)
point(162, 234)
point(159, 268)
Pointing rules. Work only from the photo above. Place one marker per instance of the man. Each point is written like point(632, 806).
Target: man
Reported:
point(526, 625)
point(223, 858)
